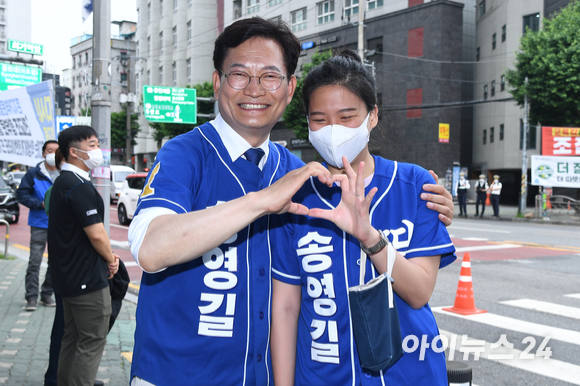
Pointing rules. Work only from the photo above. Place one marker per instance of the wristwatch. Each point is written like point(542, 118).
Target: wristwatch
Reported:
point(383, 242)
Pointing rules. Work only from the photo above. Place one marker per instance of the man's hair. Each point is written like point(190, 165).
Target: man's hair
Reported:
point(48, 142)
point(245, 29)
point(72, 137)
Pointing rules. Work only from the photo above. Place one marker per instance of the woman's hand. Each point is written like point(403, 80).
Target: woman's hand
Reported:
point(352, 214)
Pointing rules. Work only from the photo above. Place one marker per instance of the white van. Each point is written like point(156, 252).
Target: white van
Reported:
point(118, 174)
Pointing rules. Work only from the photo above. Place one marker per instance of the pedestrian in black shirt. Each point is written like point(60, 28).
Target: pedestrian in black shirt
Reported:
point(81, 258)
point(481, 189)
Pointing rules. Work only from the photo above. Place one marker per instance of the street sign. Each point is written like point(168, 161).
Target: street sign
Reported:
point(64, 122)
point(444, 132)
point(556, 171)
point(14, 75)
point(170, 104)
point(25, 47)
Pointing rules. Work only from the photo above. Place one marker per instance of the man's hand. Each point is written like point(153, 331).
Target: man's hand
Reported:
point(440, 201)
point(277, 199)
point(113, 268)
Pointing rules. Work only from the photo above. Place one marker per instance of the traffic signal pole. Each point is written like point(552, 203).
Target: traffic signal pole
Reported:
point(101, 95)
point(524, 191)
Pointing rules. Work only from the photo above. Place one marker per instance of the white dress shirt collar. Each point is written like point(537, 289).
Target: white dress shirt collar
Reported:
point(75, 169)
point(235, 144)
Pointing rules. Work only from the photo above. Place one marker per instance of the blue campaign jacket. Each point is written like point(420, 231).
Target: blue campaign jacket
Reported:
point(31, 194)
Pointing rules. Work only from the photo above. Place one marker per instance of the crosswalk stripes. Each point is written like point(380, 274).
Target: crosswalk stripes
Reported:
point(460, 345)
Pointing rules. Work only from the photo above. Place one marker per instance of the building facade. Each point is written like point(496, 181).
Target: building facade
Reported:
point(175, 40)
point(15, 23)
point(498, 126)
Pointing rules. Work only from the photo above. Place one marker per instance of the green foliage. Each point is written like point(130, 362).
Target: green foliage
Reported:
point(294, 115)
point(86, 112)
point(171, 130)
point(550, 58)
point(119, 129)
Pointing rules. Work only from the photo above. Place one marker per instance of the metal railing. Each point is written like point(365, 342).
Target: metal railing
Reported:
point(3, 214)
point(558, 204)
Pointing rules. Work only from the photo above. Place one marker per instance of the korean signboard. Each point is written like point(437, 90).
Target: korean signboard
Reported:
point(563, 172)
point(444, 132)
point(26, 122)
point(170, 104)
point(25, 47)
point(13, 76)
point(561, 141)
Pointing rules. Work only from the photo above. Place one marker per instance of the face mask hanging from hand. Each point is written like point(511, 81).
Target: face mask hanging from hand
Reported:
point(95, 158)
point(335, 141)
point(50, 160)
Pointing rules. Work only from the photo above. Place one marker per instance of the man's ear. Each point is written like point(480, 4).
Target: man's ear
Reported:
point(291, 88)
point(216, 79)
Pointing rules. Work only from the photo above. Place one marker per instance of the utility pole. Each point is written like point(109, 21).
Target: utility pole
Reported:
point(524, 193)
point(361, 31)
point(128, 138)
point(101, 96)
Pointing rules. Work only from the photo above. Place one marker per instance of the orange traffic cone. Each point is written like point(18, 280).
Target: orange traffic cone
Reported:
point(464, 301)
point(487, 202)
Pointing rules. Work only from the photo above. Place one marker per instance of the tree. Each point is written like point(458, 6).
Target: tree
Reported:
point(119, 129)
point(170, 130)
point(550, 58)
point(294, 115)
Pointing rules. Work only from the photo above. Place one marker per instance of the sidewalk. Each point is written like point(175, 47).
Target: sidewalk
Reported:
point(510, 213)
point(25, 336)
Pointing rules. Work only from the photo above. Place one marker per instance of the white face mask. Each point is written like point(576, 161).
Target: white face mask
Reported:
point(95, 158)
point(481, 180)
point(335, 141)
point(50, 159)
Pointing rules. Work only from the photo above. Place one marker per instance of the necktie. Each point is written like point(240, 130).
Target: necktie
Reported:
point(254, 155)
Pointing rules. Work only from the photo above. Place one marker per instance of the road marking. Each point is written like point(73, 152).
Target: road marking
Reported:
point(506, 323)
point(577, 296)
point(119, 226)
point(128, 356)
point(486, 247)
point(26, 249)
point(551, 368)
point(120, 244)
point(130, 264)
point(549, 308)
point(474, 239)
point(478, 229)
point(545, 246)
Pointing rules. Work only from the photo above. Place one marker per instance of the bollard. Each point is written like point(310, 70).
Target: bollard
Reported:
point(458, 374)
point(2, 221)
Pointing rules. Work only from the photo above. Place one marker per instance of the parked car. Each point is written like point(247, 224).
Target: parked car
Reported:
point(118, 174)
point(14, 178)
point(127, 204)
point(9, 207)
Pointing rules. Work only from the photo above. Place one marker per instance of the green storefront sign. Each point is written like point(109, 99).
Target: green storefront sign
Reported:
point(170, 104)
point(25, 47)
point(15, 75)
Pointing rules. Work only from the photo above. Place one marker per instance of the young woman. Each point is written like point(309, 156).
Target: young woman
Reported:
point(315, 258)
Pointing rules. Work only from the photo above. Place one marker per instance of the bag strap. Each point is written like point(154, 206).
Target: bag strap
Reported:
point(391, 256)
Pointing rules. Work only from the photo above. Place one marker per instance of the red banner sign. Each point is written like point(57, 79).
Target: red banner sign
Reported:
point(561, 141)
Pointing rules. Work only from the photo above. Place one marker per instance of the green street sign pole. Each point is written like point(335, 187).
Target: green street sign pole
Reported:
point(170, 104)
point(25, 47)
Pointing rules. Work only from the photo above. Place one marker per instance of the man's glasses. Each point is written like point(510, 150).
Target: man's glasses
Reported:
point(270, 81)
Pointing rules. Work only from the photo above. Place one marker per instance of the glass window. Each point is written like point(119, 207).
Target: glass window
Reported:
point(503, 33)
point(161, 41)
point(174, 69)
point(148, 76)
point(137, 83)
point(276, 19)
point(502, 83)
point(532, 22)
point(485, 92)
point(299, 20)
point(149, 45)
point(189, 71)
point(253, 6)
point(493, 40)
point(174, 6)
point(375, 4)
point(484, 137)
point(530, 138)
point(161, 6)
point(376, 45)
point(175, 37)
point(482, 8)
point(350, 8)
point(477, 54)
point(149, 11)
point(272, 3)
point(501, 132)
point(325, 12)
point(493, 88)
point(189, 33)
point(189, 3)
point(161, 75)
point(491, 134)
